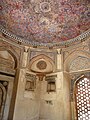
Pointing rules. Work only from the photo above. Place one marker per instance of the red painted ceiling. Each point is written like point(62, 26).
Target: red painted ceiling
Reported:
point(45, 21)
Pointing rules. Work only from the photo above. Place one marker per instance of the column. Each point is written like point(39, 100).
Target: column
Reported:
point(59, 59)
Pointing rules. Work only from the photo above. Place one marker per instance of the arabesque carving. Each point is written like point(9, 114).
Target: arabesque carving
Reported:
point(80, 63)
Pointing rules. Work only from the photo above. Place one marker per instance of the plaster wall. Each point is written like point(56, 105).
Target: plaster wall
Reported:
point(57, 109)
point(26, 108)
point(42, 105)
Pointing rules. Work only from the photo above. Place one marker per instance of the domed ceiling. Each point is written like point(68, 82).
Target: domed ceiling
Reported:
point(45, 21)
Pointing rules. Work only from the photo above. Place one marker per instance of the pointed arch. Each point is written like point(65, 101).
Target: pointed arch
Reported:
point(43, 57)
point(73, 56)
point(13, 53)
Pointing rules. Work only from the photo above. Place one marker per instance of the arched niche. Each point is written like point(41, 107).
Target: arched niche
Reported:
point(77, 60)
point(7, 60)
point(79, 63)
point(41, 64)
point(11, 53)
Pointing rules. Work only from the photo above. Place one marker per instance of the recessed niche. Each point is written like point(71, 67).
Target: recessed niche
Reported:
point(30, 82)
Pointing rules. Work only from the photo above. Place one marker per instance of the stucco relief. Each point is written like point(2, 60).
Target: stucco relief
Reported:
point(10, 50)
point(41, 64)
point(84, 46)
point(50, 54)
point(30, 82)
point(6, 60)
point(80, 63)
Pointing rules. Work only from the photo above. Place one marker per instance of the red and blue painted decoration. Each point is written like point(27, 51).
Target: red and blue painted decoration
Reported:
point(45, 21)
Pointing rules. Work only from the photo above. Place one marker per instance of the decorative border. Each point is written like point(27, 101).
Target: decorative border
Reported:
point(62, 44)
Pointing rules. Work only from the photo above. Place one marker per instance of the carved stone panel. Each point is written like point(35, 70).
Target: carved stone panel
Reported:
point(43, 52)
point(41, 65)
point(80, 63)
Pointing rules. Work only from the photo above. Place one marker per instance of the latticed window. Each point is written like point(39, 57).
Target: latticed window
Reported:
point(82, 96)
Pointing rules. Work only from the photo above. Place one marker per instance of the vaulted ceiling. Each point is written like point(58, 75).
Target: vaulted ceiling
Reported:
point(45, 21)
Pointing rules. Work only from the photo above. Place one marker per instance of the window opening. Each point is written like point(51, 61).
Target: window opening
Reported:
point(30, 82)
point(51, 87)
point(82, 96)
point(30, 85)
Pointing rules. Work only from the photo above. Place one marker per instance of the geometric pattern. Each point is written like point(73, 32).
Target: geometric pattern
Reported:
point(41, 65)
point(80, 63)
point(83, 99)
point(45, 21)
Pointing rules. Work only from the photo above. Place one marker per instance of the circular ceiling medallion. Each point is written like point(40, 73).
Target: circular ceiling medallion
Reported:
point(45, 7)
point(41, 65)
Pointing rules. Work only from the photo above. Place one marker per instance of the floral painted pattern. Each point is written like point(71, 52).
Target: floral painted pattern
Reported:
point(45, 21)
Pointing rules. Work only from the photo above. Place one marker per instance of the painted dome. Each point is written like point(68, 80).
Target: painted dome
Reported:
point(45, 21)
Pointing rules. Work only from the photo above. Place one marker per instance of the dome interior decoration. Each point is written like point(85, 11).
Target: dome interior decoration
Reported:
point(45, 21)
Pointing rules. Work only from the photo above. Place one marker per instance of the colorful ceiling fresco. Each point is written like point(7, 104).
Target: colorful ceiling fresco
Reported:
point(45, 21)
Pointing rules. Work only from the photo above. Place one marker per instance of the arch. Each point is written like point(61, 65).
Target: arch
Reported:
point(73, 56)
point(81, 98)
point(13, 53)
point(11, 105)
point(42, 56)
point(3, 100)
